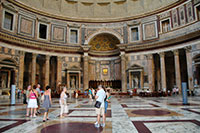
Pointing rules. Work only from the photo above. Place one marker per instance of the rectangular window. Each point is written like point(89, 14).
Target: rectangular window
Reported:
point(8, 20)
point(42, 31)
point(198, 12)
point(165, 26)
point(134, 34)
point(73, 36)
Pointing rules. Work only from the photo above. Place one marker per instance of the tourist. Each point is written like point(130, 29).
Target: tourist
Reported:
point(27, 99)
point(108, 96)
point(90, 94)
point(93, 93)
point(76, 96)
point(100, 96)
point(38, 98)
point(32, 103)
point(63, 102)
point(47, 103)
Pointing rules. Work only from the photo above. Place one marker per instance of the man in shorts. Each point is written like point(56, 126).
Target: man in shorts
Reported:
point(38, 98)
point(100, 96)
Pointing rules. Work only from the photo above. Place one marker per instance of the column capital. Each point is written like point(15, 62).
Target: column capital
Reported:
point(176, 52)
point(34, 55)
point(162, 54)
point(188, 49)
point(85, 48)
point(149, 56)
point(21, 53)
point(47, 57)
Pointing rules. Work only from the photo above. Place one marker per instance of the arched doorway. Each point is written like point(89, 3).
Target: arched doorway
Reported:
point(105, 62)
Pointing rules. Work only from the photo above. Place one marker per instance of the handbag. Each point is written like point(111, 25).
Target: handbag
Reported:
point(97, 104)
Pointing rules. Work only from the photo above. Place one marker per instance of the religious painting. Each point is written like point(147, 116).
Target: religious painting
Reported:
point(26, 26)
point(150, 30)
point(105, 71)
point(58, 33)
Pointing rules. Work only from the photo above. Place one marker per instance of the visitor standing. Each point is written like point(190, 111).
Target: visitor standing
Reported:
point(32, 103)
point(100, 96)
point(108, 96)
point(63, 102)
point(90, 94)
point(38, 98)
point(47, 103)
point(27, 99)
point(93, 93)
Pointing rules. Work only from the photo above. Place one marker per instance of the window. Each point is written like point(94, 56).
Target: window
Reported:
point(8, 21)
point(134, 34)
point(165, 26)
point(42, 31)
point(198, 12)
point(73, 36)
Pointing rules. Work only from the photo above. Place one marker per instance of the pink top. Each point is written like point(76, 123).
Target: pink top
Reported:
point(32, 95)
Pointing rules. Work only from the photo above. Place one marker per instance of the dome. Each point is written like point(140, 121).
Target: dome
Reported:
point(97, 10)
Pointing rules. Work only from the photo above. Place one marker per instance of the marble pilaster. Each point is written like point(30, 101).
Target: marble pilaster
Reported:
point(59, 71)
point(85, 72)
point(130, 80)
point(47, 69)
point(33, 72)
point(189, 68)
point(151, 74)
point(177, 70)
point(163, 72)
point(142, 79)
point(21, 70)
point(123, 72)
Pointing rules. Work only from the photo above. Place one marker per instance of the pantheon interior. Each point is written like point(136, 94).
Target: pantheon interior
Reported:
point(141, 49)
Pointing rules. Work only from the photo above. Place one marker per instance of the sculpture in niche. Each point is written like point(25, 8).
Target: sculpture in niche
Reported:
point(73, 82)
point(135, 82)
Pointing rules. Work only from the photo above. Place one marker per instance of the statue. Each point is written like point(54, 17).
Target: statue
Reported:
point(135, 82)
point(3, 82)
point(73, 82)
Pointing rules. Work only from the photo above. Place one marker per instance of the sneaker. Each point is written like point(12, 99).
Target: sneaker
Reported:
point(31, 116)
point(34, 116)
point(97, 125)
point(103, 124)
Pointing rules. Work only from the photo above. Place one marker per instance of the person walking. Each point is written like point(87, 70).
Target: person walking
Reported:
point(63, 102)
point(108, 96)
point(47, 103)
point(32, 103)
point(90, 94)
point(38, 98)
point(100, 97)
point(27, 99)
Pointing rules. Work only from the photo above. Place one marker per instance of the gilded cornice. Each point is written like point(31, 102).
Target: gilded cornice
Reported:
point(94, 20)
point(22, 42)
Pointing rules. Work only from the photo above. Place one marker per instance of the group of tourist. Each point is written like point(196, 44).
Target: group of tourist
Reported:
point(34, 97)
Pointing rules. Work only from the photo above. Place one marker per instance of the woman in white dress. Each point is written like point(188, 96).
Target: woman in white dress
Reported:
point(32, 103)
point(63, 102)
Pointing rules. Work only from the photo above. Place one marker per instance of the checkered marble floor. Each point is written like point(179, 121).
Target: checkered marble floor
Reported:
point(125, 115)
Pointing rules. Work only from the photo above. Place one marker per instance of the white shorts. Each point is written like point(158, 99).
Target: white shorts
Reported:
point(32, 103)
point(100, 111)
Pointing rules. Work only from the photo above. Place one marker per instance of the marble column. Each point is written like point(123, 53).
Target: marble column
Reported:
point(142, 79)
point(151, 73)
point(33, 72)
point(68, 80)
point(79, 80)
point(163, 72)
point(130, 80)
point(177, 70)
point(123, 72)
point(59, 71)
point(85, 72)
point(21, 70)
point(189, 69)
point(47, 69)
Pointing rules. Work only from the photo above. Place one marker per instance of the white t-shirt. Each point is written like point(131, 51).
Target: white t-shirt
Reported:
point(38, 90)
point(101, 96)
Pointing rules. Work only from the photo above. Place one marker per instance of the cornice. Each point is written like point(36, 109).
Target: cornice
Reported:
point(94, 20)
point(31, 44)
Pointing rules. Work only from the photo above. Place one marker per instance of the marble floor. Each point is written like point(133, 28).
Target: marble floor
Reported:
point(125, 115)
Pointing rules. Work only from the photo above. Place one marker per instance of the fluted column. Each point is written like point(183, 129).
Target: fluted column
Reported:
point(163, 71)
point(141, 79)
point(151, 74)
point(68, 80)
point(85, 72)
point(177, 70)
point(47, 68)
point(79, 80)
point(33, 73)
point(123, 72)
point(59, 71)
point(189, 68)
point(21, 70)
